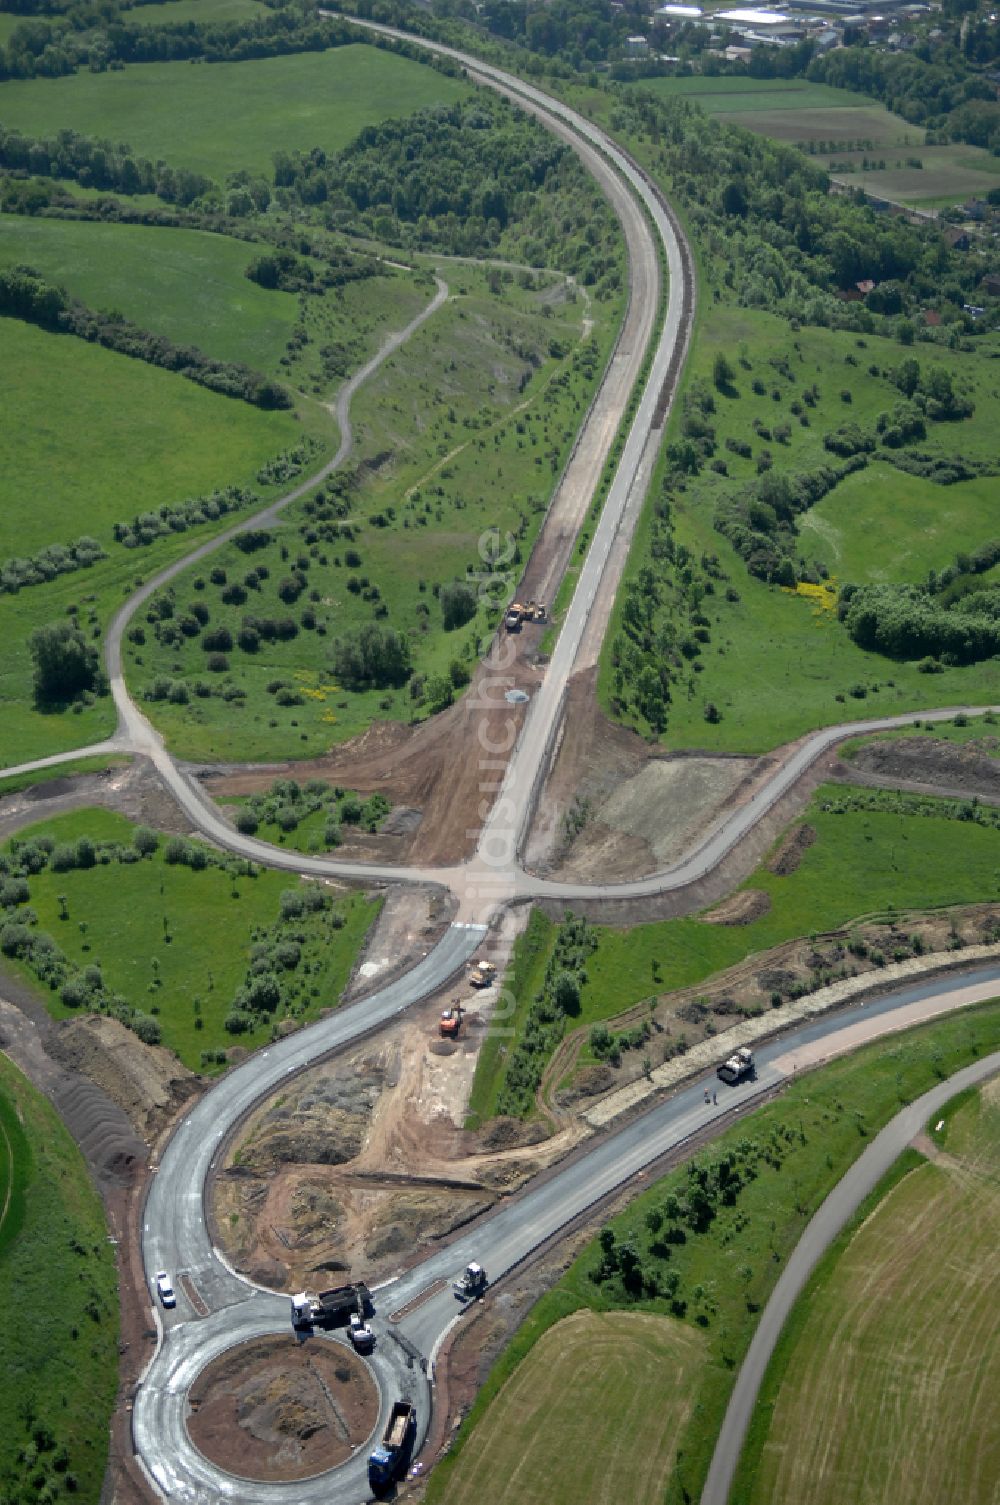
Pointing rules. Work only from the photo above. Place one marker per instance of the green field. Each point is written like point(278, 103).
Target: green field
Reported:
point(185, 284)
point(91, 437)
point(881, 524)
point(777, 664)
point(217, 118)
point(587, 1382)
point(861, 1401)
point(709, 1264)
point(58, 1378)
point(462, 432)
point(832, 122)
point(862, 863)
point(188, 938)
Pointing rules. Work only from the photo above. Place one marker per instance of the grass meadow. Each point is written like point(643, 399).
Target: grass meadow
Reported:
point(177, 12)
point(862, 864)
point(778, 661)
point(58, 1305)
point(865, 1400)
point(216, 118)
point(186, 945)
point(804, 113)
point(710, 1283)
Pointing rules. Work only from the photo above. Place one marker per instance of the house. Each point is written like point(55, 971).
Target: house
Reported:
point(990, 284)
point(636, 46)
point(865, 286)
point(957, 238)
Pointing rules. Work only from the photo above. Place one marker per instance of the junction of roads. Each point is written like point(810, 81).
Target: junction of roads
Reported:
point(415, 1311)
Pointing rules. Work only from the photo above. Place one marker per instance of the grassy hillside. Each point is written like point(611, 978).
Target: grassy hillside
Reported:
point(705, 1263)
point(220, 117)
point(185, 952)
point(863, 1402)
point(92, 437)
point(58, 1377)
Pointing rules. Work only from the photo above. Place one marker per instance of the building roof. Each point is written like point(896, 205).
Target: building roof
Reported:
point(679, 11)
point(753, 17)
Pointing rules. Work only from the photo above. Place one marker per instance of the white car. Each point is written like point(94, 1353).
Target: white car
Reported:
point(164, 1289)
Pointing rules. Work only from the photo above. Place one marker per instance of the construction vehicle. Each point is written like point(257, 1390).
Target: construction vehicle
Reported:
point(361, 1336)
point(451, 1021)
point(540, 612)
point(331, 1308)
point(515, 615)
point(391, 1457)
point(738, 1068)
point(471, 1283)
point(482, 974)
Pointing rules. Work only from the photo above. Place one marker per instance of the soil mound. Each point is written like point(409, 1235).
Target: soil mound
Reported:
point(928, 763)
point(147, 1082)
point(742, 909)
point(788, 856)
point(276, 1410)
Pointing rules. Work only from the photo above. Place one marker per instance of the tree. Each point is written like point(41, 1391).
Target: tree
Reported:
point(66, 665)
point(378, 657)
point(458, 604)
point(723, 374)
point(566, 992)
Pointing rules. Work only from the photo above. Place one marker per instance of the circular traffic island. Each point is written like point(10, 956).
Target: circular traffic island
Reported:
point(277, 1410)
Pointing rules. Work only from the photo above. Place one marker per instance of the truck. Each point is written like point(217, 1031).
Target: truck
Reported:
point(391, 1457)
point(738, 1068)
point(471, 1283)
point(515, 615)
point(482, 974)
point(331, 1308)
point(451, 1021)
point(361, 1336)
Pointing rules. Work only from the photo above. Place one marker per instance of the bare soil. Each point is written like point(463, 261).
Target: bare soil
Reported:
point(928, 765)
point(410, 923)
point(278, 1410)
point(615, 806)
point(743, 908)
point(146, 1081)
point(791, 851)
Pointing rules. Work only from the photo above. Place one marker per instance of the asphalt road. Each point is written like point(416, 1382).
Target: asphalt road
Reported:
point(839, 1207)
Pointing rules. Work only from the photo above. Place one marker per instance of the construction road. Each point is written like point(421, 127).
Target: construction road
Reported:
point(217, 1309)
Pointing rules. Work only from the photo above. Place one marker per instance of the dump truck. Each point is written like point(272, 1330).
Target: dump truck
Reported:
point(739, 1068)
point(451, 1021)
point(515, 616)
point(361, 1336)
point(471, 1283)
point(482, 974)
point(390, 1458)
point(331, 1308)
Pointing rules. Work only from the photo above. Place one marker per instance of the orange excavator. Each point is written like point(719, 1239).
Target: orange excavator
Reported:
point(451, 1021)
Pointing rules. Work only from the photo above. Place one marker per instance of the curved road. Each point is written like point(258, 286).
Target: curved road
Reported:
point(841, 1205)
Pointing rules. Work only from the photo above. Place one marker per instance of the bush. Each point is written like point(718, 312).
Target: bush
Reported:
point(66, 665)
point(247, 822)
point(146, 1027)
